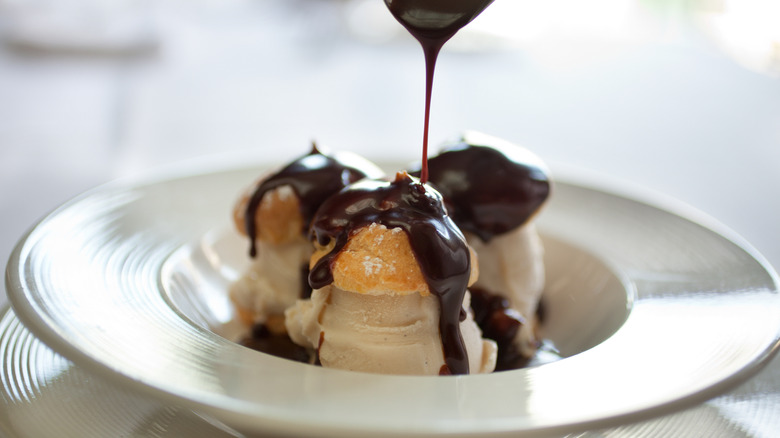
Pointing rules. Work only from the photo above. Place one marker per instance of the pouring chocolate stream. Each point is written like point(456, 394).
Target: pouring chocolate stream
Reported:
point(433, 23)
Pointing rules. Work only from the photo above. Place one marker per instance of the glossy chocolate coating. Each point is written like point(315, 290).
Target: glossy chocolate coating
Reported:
point(438, 245)
point(501, 323)
point(313, 178)
point(489, 189)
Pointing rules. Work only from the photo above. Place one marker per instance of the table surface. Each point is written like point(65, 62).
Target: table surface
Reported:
point(680, 100)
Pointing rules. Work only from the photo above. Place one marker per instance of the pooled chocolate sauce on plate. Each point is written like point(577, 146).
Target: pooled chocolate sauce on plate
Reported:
point(313, 178)
point(438, 245)
point(275, 344)
point(499, 322)
point(433, 23)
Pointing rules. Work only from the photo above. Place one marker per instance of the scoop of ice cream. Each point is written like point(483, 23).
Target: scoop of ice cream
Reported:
point(386, 333)
point(512, 263)
point(273, 282)
point(379, 315)
point(512, 267)
point(276, 277)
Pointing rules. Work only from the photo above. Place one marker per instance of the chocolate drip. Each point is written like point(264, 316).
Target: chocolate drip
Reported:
point(438, 245)
point(501, 323)
point(305, 286)
point(490, 189)
point(313, 178)
point(433, 23)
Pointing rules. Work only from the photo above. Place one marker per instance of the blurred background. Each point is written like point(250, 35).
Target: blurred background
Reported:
point(678, 96)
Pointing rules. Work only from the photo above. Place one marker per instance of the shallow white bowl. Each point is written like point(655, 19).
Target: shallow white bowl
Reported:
point(651, 311)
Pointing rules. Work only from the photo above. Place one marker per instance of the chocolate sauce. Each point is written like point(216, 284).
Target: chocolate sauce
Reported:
point(501, 323)
point(305, 286)
point(438, 245)
point(490, 189)
point(433, 23)
point(279, 345)
point(313, 178)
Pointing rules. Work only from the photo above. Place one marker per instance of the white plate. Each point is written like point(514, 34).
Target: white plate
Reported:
point(103, 281)
point(35, 382)
point(43, 395)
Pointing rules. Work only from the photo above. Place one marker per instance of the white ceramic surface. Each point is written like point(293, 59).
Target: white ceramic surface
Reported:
point(90, 281)
point(35, 382)
point(43, 395)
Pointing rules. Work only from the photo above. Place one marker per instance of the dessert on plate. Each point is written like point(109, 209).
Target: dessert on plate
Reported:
point(390, 274)
point(493, 189)
point(356, 272)
point(275, 214)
